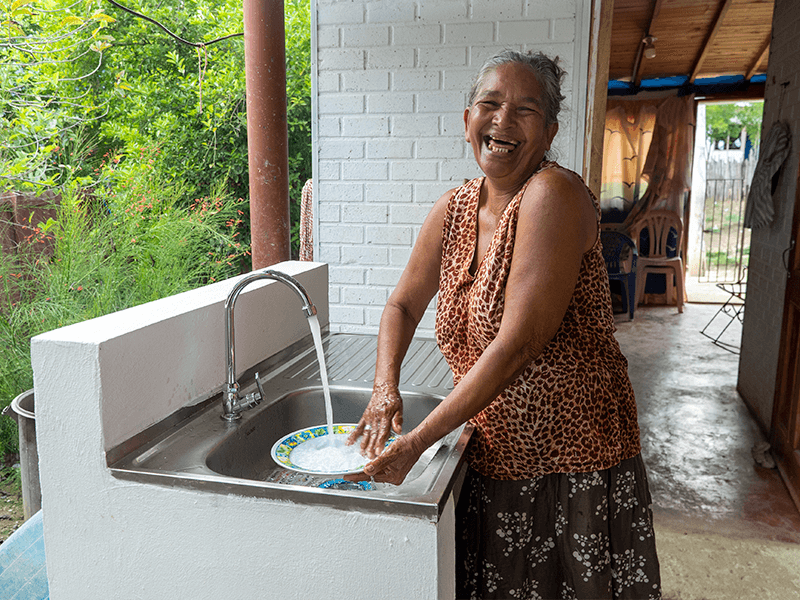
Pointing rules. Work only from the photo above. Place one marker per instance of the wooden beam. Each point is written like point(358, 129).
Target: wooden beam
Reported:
point(760, 59)
point(755, 91)
point(597, 86)
point(654, 16)
point(637, 67)
point(710, 40)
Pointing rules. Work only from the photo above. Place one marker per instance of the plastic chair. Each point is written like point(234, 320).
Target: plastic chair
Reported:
point(620, 255)
point(661, 252)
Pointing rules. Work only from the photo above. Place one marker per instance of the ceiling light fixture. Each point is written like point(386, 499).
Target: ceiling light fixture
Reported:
point(649, 46)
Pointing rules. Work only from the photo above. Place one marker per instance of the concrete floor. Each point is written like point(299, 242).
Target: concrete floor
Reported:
point(697, 433)
point(711, 501)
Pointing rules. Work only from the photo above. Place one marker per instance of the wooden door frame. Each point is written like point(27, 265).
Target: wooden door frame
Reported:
point(597, 92)
point(786, 408)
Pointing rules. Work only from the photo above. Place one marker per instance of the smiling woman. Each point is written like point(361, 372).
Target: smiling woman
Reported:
point(507, 124)
point(555, 502)
point(507, 127)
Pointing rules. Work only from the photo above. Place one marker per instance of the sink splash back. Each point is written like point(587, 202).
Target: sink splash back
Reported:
point(351, 359)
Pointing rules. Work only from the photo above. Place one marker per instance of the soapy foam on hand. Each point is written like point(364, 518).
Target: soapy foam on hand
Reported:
point(328, 454)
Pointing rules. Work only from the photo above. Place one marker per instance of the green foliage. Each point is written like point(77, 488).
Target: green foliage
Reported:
point(48, 56)
point(298, 94)
point(189, 101)
point(11, 479)
point(718, 258)
point(724, 122)
point(145, 139)
point(127, 84)
point(122, 244)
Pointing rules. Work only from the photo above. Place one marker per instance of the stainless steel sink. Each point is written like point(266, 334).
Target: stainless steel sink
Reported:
point(246, 453)
point(196, 448)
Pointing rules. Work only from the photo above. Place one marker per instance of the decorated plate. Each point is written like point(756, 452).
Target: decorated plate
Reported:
point(311, 451)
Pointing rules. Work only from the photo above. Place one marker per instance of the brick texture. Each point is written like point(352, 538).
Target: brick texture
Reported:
point(392, 81)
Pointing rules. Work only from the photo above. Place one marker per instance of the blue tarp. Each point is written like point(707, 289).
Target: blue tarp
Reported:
point(706, 85)
point(23, 575)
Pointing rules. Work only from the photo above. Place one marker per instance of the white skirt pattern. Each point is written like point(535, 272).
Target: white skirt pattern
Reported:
point(586, 536)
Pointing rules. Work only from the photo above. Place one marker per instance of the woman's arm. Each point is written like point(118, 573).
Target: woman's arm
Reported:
point(403, 312)
point(557, 225)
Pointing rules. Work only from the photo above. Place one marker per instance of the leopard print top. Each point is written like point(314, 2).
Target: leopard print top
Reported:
point(572, 409)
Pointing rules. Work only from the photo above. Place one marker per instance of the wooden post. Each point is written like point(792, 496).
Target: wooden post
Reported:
point(597, 92)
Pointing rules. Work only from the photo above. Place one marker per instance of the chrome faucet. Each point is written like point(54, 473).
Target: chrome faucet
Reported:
point(232, 404)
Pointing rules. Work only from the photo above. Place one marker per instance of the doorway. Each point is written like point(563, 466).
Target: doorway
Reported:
point(725, 156)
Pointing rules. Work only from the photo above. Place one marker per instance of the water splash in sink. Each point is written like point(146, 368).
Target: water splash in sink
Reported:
point(328, 454)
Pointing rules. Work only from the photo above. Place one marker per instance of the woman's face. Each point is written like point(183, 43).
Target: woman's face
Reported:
point(506, 125)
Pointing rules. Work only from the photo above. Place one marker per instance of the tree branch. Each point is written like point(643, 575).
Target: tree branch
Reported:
point(177, 37)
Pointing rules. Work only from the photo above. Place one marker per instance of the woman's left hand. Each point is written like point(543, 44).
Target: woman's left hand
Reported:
point(394, 463)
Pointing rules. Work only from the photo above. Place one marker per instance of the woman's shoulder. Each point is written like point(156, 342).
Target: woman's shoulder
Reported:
point(562, 194)
point(553, 179)
point(552, 173)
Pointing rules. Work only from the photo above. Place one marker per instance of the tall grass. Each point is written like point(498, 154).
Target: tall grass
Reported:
point(122, 242)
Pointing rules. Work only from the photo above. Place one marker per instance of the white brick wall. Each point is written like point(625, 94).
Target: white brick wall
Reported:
point(766, 284)
point(391, 80)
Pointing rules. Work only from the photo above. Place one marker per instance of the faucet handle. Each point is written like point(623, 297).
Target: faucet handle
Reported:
point(261, 394)
point(252, 399)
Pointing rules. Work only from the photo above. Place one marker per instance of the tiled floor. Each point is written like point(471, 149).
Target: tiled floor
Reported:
point(697, 433)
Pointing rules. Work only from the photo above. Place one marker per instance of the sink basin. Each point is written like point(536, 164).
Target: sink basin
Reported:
point(195, 448)
point(246, 453)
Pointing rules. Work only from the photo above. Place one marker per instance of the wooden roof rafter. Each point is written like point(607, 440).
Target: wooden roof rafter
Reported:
point(710, 40)
point(637, 67)
point(761, 56)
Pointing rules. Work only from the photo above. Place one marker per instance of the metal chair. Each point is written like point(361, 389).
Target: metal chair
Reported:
point(664, 235)
point(732, 309)
point(620, 255)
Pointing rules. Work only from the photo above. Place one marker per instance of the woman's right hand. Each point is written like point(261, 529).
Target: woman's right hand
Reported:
point(383, 415)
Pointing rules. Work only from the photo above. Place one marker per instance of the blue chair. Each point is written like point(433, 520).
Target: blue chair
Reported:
point(620, 255)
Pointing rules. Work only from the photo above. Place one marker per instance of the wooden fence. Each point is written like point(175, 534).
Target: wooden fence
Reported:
point(20, 215)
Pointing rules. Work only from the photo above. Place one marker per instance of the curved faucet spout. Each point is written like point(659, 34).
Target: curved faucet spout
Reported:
point(232, 404)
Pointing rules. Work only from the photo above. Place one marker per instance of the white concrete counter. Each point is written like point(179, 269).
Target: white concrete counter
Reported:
point(100, 382)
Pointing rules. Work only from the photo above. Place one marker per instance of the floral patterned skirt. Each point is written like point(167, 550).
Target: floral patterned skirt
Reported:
point(586, 536)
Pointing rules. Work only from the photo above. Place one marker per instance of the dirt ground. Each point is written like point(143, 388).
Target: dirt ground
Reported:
point(11, 515)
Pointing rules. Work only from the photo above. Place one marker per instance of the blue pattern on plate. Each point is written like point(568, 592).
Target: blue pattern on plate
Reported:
point(283, 448)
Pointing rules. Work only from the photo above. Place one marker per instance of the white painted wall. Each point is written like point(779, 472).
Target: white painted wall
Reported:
point(696, 219)
point(99, 382)
point(391, 79)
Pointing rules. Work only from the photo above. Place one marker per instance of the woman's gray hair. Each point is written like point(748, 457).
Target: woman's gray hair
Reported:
point(547, 72)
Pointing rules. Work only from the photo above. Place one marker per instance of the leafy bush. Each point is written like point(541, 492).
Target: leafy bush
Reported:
point(725, 122)
point(123, 83)
point(126, 242)
point(145, 139)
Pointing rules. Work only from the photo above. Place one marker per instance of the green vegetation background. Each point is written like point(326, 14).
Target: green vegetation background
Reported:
point(143, 137)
